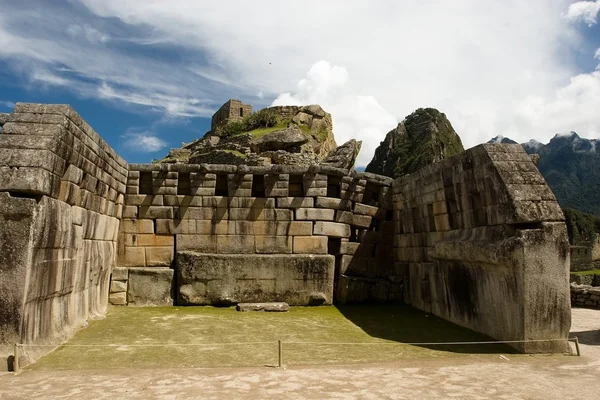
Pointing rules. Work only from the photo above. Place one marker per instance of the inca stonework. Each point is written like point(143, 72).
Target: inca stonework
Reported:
point(477, 239)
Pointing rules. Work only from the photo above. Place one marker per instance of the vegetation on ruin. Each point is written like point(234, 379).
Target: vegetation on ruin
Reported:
point(588, 272)
point(581, 227)
point(259, 120)
point(198, 335)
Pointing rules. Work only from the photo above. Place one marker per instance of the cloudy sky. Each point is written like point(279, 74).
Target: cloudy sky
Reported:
point(147, 75)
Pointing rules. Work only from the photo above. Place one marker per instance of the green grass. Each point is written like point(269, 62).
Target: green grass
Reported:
point(589, 272)
point(223, 337)
point(256, 133)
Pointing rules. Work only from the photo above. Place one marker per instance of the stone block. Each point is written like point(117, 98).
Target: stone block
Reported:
point(150, 287)
point(29, 180)
point(364, 209)
point(205, 213)
point(315, 214)
point(442, 223)
point(333, 203)
point(159, 256)
point(118, 299)
point(200, 243)
point(155, 212)
point(300, 228)
point(331, 229)
point(273, 244)
point(268, 307)
point(222, 279)
point(347, 217)
point(235, 244)
point(133, 257)
point(222, 227)
point(244, 227)
point(295, 202)
point(273, 214)
point(310, 244)
point(120, 274)
point(349, 248)
point(154, 240)
point(137, 226)
point(118, 286)
point(313, 192)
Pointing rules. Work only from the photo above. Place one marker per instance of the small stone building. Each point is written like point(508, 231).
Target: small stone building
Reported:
point(232, 110)
point(585, 255)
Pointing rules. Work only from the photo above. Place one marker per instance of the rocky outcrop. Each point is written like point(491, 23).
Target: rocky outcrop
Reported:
point(343, 156)
point(293, 135)
point(287, 139)
point(424, 137)
point(3, 119)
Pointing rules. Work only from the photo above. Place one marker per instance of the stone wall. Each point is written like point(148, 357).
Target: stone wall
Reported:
point(483, 244)
point(477, 239)
point(232, 110)
point(282, 210)
point(61, 196)
point(585, 296)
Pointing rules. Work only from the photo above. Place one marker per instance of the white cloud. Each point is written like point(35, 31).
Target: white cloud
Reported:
point(354, 116)
point(91, 34)
point(597, 55)
point(145, 142)
point(495, 68)
point(586, 11)
point(7, 104)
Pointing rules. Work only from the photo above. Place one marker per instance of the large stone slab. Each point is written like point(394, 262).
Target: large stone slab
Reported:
point(269, 307)
point(150, 287)
point(228, 279)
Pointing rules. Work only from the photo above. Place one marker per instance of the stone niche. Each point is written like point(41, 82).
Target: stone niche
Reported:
point(225, 279)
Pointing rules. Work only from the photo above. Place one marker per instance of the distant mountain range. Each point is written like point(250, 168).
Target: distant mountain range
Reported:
point(571, 166)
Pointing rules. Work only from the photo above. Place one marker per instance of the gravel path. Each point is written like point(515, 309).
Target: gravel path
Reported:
point(465, 377)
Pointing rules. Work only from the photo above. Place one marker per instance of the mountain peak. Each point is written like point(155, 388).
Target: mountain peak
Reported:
point(422, 138)
point(502, 139)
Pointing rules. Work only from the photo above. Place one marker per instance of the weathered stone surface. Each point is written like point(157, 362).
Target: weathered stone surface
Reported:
point(120, 274)
point(315, 214)
point(310, 244)
point(3, 119)
point(285, 139)
point(332, 229)
point(118, 286)
point(492, 247)
point(150, 287)
point(118, 299)
point(302, 135)
point(16, 219)
point(344, 156)
point(269, 307)
point(228, 279)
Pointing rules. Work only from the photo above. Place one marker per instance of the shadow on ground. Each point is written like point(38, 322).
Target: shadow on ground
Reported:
point(591, 337)
point(405, 324)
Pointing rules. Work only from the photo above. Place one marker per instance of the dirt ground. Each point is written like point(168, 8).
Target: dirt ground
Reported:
point(462, 376)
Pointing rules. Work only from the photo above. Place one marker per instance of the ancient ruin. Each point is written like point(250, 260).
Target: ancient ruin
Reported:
point(477, 239)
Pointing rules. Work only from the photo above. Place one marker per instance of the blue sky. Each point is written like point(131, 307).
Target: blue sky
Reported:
point(148, 75)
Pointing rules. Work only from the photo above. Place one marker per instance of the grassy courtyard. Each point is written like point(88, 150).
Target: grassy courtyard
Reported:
point(222, 337)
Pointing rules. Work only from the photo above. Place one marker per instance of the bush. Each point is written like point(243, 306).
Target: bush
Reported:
point(261, 119)
point(581, 227)
point(264, 118)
